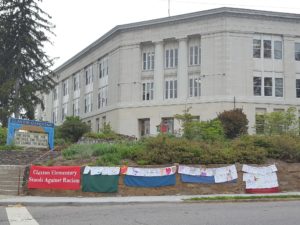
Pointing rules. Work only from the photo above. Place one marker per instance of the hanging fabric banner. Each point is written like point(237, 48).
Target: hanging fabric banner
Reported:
point(260, 179)
point(151, 172)
point(204, 175)
point(100, 179)
point(150, 177)
point(54, 177)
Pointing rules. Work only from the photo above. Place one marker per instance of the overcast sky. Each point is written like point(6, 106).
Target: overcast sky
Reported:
point(81, 22)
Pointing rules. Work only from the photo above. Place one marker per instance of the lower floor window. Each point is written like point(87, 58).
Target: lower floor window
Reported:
point(194, 86)
point(264, 86)
point(167, 125)
point(144, 127)
point(298, 88)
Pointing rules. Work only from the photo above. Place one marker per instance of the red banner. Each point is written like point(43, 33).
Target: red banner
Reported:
point(54, 177)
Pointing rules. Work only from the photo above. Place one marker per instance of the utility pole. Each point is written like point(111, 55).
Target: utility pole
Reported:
point(169, 13)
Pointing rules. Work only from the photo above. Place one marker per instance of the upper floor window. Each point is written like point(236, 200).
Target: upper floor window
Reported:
point(88, 71)
point(76, 107)
point(102, 97)
point(194, 55)
point(76, 82)
point(297, 51)
point(148, 90)
point(171, 58)
point(55, 93)
point(264, 86)
point(194, 86)
point(298, 88)
point(148, 61)
point(54, 115)
point(65, 87)
point(88, 103)
point(267, 48)
point(103, 67)
point(64, 111)
point(170, 89)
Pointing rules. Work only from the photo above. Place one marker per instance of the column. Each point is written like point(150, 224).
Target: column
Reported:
point(182, 72)
point(159, 71)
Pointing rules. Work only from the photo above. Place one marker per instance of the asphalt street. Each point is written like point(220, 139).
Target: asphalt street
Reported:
point(252, 213)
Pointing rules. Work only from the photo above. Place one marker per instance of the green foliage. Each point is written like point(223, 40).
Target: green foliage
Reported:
point(3, 134)
point(281, 122)
point(234, 123)
point(72, 129)
point(25, 68)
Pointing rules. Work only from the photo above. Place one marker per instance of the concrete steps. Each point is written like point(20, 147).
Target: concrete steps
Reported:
point(11, 178)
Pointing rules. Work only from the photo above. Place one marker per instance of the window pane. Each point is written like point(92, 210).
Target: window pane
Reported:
point(267, 48)
point(278, 50)
point(167, 89)
point(191, 87)
point(257, 86)
point(256, 48)
point(268, 86)
point(191, 55)
point(176, 57)
point(297, 51)
point(175, 88)
point(196, 56)
point(297, 83)
point(171, 89)
point(278, 87)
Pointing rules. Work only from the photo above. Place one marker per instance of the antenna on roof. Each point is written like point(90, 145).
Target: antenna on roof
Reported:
point(169, 7)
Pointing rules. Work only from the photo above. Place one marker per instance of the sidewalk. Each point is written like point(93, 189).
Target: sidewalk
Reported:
point(51, 201)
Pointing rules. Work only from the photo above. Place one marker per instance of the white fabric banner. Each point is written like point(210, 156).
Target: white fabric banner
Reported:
point(102, 170)
point(225, 174)
point(254, 181)
point(259, 170)
point(196, 171)
point(151, 172)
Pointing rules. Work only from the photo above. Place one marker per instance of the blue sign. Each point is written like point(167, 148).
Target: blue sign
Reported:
point(16, 124)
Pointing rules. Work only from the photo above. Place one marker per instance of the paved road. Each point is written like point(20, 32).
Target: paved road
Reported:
point(263, 213)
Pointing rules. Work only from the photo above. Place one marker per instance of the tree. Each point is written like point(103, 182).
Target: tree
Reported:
point(25, 68)
point(234, 123)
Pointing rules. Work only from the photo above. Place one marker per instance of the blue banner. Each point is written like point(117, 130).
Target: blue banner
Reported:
point(161, 181)
point(197, 179)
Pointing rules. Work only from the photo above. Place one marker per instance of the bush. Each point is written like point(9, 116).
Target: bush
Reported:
point(234, 123)
point(3, 134)
point(72, 129)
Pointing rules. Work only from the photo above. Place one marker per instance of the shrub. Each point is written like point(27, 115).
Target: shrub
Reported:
point(3, 134)
point(72, 129)
point(234, 123)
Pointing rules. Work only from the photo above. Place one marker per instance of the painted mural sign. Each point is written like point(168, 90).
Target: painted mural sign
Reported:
point(30, 133)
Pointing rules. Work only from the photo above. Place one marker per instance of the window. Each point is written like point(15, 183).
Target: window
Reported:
point(102, 97)
point(256, 48)
point(167, 125)
point(144, 127)
point(195, 87)
point(64, 112)
point(278, 87)
point(298, 88)
point(54, 115)
point(297, 51)
point(76, 82)
point(263, 86)
point(148, 91)
point(55, 93)
point(170, 89)
point(267, 49)
point(76, 107)
point(260, 123)
point(194, 55)
point(171, 58)
point(103, 67)
point(88, 75)
point(88, 103)
point(277, 49)
point(97, 125)
point(65, 87)
point(257, 86)
point(148, 61)
point(268, 86)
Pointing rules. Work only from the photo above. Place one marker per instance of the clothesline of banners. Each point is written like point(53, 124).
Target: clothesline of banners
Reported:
point(105, 179)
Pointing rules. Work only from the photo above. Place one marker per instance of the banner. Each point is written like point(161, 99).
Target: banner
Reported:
point(100, 183)
point(196, 171)
point(54, 177)
point(259, 170)
point(197, 179)
point(135, 181)
point(226, 174)
point(102, 170)
point(151, 172)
